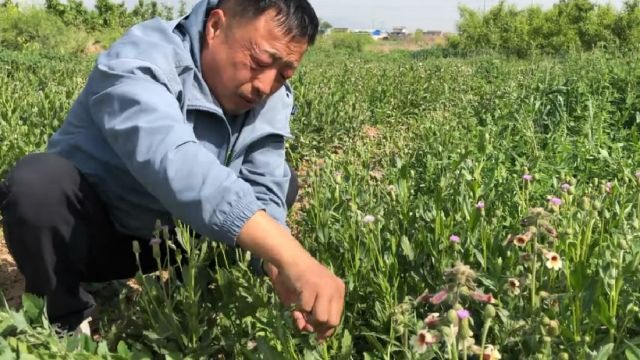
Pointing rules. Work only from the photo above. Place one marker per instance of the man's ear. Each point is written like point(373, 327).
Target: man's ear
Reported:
point(215, 23)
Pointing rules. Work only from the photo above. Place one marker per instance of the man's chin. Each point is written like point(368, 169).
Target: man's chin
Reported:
point(237, 110)
point(240, 108)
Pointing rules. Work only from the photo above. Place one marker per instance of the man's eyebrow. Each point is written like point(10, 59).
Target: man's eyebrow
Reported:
point(277, 58)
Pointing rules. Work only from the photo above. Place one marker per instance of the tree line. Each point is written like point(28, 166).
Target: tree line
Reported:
point(568, 25)
point(107, 14)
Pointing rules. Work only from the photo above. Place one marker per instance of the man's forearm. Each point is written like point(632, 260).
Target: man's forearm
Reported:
point(269, 240)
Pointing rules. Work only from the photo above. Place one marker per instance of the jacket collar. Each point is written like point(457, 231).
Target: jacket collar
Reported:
point(191, 27)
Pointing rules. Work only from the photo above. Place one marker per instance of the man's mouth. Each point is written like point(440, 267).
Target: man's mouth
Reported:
point(249, 100)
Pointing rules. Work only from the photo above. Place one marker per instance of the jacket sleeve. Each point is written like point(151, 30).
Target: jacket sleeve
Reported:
point(265, 169)
point(138, 112)
point(264, 166)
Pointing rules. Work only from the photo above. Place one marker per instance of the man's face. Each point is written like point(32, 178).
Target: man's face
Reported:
point(245, 61)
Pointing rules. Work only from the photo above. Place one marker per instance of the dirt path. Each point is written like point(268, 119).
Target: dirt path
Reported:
point(11, 282)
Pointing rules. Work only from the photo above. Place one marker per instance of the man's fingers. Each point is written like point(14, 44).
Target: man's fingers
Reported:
point(321, 310)
point(286, 296)
point(301, 321)
point(306, 301)
point(335, 313)
point(323, 335)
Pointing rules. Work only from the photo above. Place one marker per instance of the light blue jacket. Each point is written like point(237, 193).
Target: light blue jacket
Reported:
point(149, 136)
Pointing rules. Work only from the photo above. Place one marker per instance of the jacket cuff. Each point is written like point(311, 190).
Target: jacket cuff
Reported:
point(238, 215)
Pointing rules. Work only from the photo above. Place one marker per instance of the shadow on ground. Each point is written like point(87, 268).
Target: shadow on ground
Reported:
point(11, 281)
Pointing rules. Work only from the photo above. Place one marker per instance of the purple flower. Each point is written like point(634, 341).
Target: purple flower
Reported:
point(463, 314)
point(480, 205)
point(638, 174)
point(527, 177)
point(454, 238)
point(608, 186)
point(555, 201)
point(155, 241)
point(565, 187)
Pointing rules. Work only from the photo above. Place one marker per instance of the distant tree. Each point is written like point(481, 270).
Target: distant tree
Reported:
point(418, 35)
point(568, 25)
point(182, 8)
point(324, 26)
point(166, 11)
point(627, 24)
point(8, 4)
point(110, 14)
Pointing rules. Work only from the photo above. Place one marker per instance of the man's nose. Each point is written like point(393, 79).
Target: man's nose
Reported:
point(265, 81)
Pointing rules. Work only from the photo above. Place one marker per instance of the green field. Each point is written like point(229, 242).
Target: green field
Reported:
point(397, 153)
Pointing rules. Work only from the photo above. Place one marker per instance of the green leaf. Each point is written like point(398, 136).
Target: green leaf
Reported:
point(123, 349)
point(407, 248)
point(267, 350)
point(346, 344)
point(103, 350)
point(604, 352)
point(19, 321)
point(33, 307)
point(632, 352)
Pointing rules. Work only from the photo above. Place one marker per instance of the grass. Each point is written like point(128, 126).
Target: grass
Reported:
point(395, 156)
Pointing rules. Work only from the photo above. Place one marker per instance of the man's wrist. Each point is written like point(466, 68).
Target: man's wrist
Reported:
point(267, 239)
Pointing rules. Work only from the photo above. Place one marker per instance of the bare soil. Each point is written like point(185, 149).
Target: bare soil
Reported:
point(11, 281)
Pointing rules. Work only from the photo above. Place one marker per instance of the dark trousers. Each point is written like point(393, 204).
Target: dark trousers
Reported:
point(59, 233)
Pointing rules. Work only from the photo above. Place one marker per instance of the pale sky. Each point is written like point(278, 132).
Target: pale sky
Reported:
point(385, 14)
point(424, 14)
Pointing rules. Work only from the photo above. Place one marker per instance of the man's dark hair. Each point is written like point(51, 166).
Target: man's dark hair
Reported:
point(295, 17)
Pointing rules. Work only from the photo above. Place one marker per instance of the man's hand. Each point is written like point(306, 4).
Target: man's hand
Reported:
point(297, 277)
point(319, 298)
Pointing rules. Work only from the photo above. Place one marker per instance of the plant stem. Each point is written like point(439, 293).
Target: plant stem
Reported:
point(534, 297)
point(485, 331)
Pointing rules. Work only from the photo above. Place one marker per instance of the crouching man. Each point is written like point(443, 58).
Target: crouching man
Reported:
point(178, 120)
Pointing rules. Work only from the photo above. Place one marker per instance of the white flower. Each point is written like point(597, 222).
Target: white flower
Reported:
point(423, 340)
point(432, 319)
point(368, 219)
point(491, 353)
point(553, 260)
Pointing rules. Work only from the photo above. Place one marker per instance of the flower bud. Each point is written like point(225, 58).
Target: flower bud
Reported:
point(597, 205)
point(546, 339)
point(156, 251)
point(489, 312)
point(465, 330)
point(452, 316)
point(545, 321)
point(553, 329)
point(585, 203)
point(136, 247)
point(563, 356)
